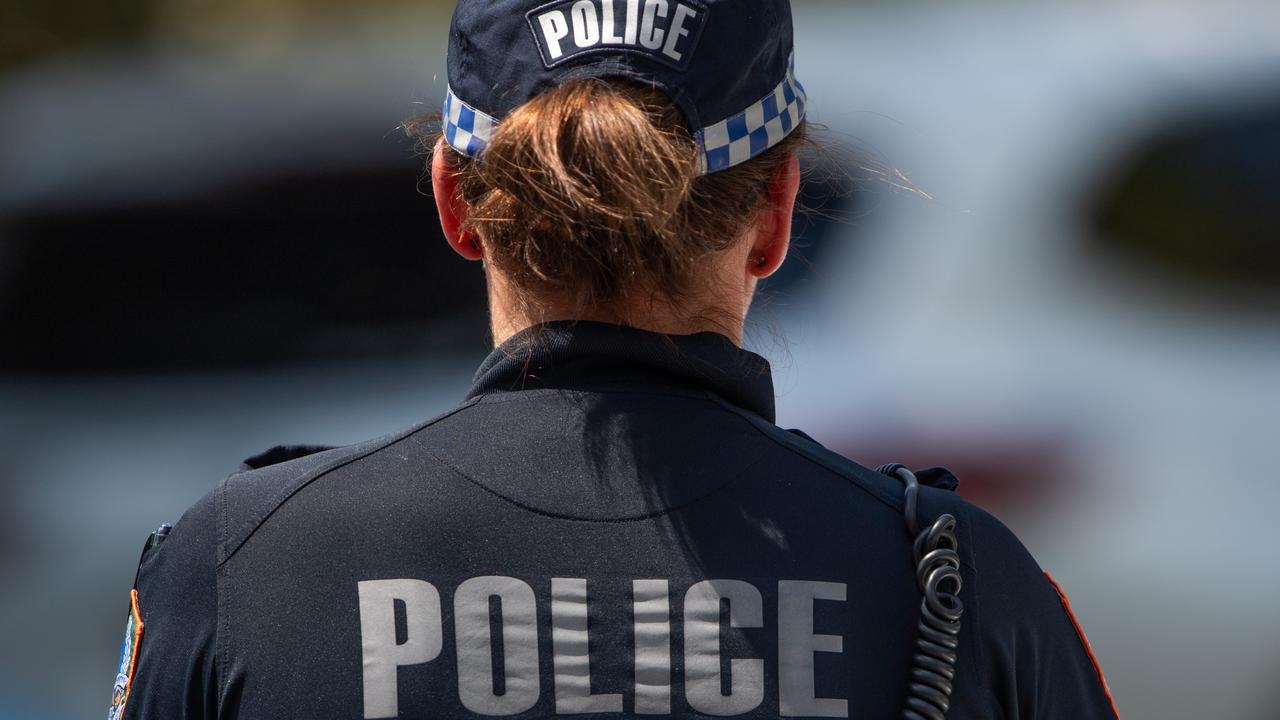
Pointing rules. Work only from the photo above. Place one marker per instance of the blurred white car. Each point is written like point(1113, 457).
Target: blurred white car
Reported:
point(1121, 419)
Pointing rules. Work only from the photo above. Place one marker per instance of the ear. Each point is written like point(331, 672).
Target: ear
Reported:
point(773, 227)
point(453, 211)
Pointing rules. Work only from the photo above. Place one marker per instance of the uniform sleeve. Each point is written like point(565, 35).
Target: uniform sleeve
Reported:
point(1039, 664)
point(177, 602)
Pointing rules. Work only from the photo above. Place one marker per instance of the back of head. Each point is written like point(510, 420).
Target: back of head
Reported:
point(592, 194)
point(602, 153)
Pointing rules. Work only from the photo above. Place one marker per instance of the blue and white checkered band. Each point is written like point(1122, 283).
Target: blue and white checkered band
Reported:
point(730, 142)
point(468, 130)
point(751, 132)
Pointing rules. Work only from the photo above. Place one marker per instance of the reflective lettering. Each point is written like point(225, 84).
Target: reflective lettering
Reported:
point(633, 21)
point(667, 30)
point(608, 36)
point(702, 647)
point(651, 35)
point(499, 667)
point(554, 28)
point(678, 30)
point(651, 607)
point(381, 654)
point(570, 652)
point(519, 615)
point(586, 23)
point(796, 645)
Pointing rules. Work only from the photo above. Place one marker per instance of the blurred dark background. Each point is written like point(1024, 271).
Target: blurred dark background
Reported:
point(1044, 251)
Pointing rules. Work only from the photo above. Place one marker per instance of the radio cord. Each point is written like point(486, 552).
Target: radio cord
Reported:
point(933, 665)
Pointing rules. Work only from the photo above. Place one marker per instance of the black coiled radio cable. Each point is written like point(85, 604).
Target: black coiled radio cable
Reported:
point(933, 665)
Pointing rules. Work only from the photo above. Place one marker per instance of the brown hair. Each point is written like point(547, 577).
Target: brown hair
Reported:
point(591, 193)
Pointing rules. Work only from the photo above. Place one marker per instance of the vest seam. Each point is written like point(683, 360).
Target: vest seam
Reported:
point(296, 485)
point(570, 518)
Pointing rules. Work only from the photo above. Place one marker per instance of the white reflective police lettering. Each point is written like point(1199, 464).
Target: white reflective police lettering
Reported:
point(608, 32)
point(519, 617)
point(678, 30)
point(586, 24)
point(570, 652)
point(554, 28)
point(666, 30)
point(651, 36)
point(796, 645)
point(485, 605)
point(651, 606)
point(633, 22)
point(382, 655)
point(702, 679)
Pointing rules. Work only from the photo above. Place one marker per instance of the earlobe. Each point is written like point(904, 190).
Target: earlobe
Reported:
point(773, 237)
point(452, 209)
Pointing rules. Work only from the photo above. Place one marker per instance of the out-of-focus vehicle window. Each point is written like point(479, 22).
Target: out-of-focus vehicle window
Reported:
point(1199, 201)
point(303, 267)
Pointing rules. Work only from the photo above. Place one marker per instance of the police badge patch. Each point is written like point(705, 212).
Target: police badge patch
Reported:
point(128, 660)
point(668, 33)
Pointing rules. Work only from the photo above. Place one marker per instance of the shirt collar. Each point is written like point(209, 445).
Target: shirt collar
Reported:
point(583, 355)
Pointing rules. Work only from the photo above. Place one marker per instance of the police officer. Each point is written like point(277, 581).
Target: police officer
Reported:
point(610, 524)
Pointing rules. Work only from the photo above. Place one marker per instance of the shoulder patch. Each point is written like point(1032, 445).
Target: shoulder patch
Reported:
point(128, 659)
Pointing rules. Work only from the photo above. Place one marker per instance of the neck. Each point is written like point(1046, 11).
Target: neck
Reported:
point(508, 317)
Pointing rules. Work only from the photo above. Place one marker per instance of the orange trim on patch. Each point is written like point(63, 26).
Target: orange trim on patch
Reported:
point(128, 663)
point(1066, 605)
point(137, 644)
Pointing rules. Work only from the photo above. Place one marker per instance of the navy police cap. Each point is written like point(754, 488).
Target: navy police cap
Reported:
point(729, 65)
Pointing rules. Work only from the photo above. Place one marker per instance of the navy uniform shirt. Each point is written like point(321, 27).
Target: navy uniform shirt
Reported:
point(610, 525)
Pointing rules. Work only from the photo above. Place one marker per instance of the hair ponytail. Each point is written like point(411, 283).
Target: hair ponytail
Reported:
point(591, 192)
